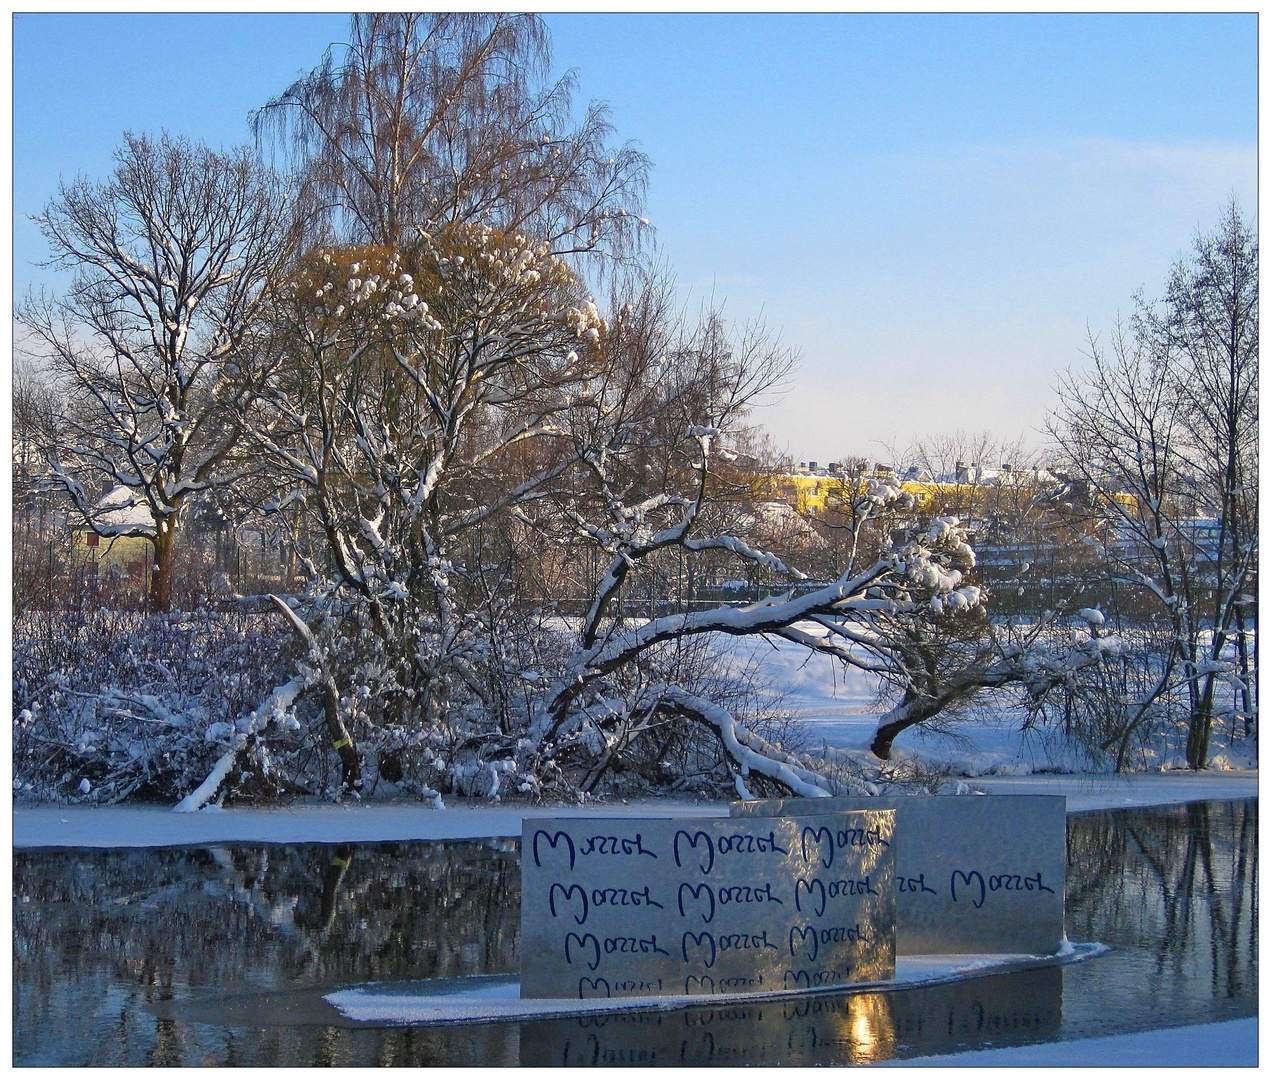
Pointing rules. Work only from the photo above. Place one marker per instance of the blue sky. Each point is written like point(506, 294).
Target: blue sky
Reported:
point(931, 208)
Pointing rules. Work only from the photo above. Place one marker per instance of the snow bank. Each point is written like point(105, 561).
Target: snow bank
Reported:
point(1106, 791)
point(157, 826)
point(492, 998)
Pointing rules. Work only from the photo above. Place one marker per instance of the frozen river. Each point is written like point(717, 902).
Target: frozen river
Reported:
point(218, 953)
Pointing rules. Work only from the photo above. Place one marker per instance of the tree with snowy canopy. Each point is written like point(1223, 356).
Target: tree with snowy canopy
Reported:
point(406, 387)
point(172, 257)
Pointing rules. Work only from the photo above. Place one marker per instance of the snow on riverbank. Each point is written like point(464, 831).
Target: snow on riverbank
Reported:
point(835, 707)
point(499, 997)
point(157, 826)
point(839, 707)
point(1231, 1044)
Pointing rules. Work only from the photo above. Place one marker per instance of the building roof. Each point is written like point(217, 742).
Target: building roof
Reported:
point(120, 512)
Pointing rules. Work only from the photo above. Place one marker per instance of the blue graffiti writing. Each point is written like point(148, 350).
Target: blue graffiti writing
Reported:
point(706, 860)
point(797, 980)
point(623, 898)
point(566, 895)
point(703, 985)
point(811, 939)
point(615, 845)
point(818, 837)
point(587, 941)
point(866, 838)
point(976, 888)
point(593, 988)
point(748, 844)
point(914, 884)
point(747, 894)
point(697, 892)
point(704, 943)
point(634, 945)
point(553, 839)
point(819, 891)
point(638, 984)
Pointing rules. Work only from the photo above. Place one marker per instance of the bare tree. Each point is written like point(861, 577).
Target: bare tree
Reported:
point(426, 120)
point(415, 399)
point(37, 542)
point(171, 258)
point(1162, 435)
point(1209, 317)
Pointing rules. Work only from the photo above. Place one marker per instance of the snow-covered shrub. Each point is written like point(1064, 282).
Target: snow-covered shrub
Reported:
point(113, 704)
point(1132, 708)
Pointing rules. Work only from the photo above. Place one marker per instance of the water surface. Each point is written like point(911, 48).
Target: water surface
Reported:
point(220, 956)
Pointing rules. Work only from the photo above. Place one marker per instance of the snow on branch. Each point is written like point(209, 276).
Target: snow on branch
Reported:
point(798, 780)
point(278, 702)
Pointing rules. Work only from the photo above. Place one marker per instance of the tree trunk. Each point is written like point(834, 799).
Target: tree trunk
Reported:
point(911, 711)
point(1242, 654)
point(1199, 727)
point(341, 740)
point(162, 571)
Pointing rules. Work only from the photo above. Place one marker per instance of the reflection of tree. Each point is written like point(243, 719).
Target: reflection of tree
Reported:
point(1180, 882)
point(99, 934)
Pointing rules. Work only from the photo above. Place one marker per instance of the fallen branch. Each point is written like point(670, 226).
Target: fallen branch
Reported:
point(342, 741)
point(281, 699)
point(797, 779)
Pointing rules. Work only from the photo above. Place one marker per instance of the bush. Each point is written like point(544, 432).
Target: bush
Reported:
point(113, 704)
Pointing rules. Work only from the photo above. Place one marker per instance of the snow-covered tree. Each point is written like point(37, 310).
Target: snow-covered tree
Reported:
point(171, 257)
point(1161, 434)
point(409, 387)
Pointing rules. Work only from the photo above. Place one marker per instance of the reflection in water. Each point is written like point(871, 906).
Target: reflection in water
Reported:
point(1175, 891)
point(217, 956)
point(841, 1030)
point(100, 935)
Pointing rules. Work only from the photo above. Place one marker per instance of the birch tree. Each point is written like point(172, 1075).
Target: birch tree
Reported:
point(428, 120)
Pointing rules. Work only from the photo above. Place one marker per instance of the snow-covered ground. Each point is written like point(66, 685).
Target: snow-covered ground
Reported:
point(834, 707)
point(1231, 1044)
point(325, 823)
point(840, 708)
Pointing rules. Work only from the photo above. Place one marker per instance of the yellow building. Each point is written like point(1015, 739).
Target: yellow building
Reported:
point(811, 492)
